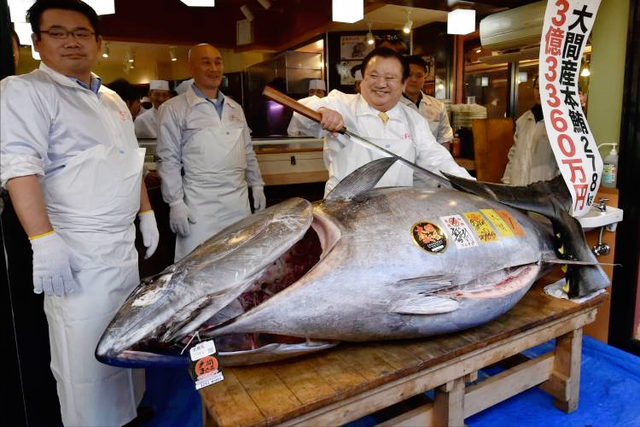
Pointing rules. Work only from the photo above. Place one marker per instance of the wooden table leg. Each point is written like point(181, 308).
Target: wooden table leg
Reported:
point(448, 408)
point(564, 383)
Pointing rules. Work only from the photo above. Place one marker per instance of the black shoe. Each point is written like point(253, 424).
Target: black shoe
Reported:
point(145, 414)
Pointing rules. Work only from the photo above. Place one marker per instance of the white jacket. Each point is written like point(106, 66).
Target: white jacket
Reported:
point(531, 157)
point(362, 119)
point(436, 114)
point(146, 124)
point(185, 115)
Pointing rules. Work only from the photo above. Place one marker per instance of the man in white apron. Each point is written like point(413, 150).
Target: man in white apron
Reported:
point(146, 124)
point(377, 115)
point(206, 158)
point(433, 110)
point(71, 164)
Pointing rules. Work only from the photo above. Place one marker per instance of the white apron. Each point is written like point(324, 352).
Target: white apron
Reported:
point(92, 203)
point(215, 187)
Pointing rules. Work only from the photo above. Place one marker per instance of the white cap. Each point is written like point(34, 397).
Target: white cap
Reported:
point(317, 84)
point(358, 76)
point(145, 99)
point(159, 85)
point(182, 87)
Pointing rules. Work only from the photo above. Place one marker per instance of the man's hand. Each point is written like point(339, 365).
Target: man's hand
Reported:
point(53, 262)
point(332, 121)
point(259, 199)
point(149, 231)
point(180, 218)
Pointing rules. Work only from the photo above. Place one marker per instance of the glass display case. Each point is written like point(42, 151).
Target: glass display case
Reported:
point(288, 72)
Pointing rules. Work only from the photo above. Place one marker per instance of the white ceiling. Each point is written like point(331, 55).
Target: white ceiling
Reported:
point(392, 17)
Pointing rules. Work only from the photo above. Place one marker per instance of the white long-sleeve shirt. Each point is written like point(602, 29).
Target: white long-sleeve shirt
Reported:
point(435, 112)
point(360, 118)
point(182, 117)
point(47, 119)
point(146, 124)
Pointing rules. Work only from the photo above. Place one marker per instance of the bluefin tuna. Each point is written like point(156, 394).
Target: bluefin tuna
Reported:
point(363, 264)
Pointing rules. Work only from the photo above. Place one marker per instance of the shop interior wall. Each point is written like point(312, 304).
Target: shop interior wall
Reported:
point(433, 41)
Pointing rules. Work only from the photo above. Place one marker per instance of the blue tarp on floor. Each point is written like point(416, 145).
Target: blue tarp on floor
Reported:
point(609, 396)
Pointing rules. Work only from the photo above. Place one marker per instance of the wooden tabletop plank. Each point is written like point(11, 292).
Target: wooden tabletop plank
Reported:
point(231, 403)
point(366, 361)
point(301, 378)
point(272, 397)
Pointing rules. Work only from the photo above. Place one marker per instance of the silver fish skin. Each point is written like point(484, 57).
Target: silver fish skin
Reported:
point(298, 278)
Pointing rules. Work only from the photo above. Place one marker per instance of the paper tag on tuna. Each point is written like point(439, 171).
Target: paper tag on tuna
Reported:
point(205, 365)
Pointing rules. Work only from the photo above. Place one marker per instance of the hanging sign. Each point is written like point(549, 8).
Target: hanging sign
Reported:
point(567, 24)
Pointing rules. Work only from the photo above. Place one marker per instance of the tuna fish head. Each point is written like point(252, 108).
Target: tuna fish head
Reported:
point(219, 280)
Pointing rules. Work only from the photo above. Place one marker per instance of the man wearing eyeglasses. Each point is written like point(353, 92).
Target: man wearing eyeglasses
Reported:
point(377, 115)
point(73, 169)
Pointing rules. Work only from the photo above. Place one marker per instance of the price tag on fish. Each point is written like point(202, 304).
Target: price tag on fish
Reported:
point(205, 364)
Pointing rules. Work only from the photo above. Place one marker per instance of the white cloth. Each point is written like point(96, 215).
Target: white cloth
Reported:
point(531, 157)
point(84, 146)
point(342, 155)
point(146, 124)
point(218, 160)
point(159, 85)
point(436, 114)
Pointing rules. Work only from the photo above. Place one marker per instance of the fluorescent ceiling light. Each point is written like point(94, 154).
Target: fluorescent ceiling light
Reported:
point(18, 10)
point(23, 30)
point(247, 12)
point(348, 11)
point(102, 7)
point(461, 21)
point(199, 3)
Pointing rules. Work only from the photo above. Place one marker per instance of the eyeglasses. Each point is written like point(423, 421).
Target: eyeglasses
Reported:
point(389, 80)
point(61, 33)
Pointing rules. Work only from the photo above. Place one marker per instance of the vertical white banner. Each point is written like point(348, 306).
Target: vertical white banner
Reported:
point(567, 24)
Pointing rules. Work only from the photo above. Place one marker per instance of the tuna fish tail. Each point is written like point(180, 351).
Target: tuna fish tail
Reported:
point(552, 200)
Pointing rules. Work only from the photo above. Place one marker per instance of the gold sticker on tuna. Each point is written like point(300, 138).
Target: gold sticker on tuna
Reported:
point(512, 222)
point(429, 237)
point(498, 222)
point(481, 226)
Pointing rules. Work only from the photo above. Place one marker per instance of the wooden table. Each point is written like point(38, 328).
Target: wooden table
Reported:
point(356, 379)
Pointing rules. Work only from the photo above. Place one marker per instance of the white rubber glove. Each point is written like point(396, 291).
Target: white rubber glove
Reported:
point(149, 231)
point(53, 262)
point(259, 199)
point(180, 218)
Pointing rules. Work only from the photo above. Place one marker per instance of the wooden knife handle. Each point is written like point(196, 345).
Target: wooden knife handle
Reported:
point(283, 99)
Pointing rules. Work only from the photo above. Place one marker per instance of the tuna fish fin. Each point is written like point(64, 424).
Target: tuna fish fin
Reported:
point(552, 200)
point(424, 305)
point(361, 180)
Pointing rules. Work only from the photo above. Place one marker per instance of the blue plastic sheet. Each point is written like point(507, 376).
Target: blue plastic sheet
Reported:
point(609, 396)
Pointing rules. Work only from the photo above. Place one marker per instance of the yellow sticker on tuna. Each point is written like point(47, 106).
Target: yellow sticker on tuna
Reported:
point(512, 222)
point(498, 222)
point(482, 227)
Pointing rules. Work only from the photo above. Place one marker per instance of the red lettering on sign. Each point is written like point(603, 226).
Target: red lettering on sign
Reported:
point(553, 100)
point(575, 165)
point(581, 191)
point(553, 64)
point(557, 121)
point(563, 6)
point(566, 145)
point(553, 41)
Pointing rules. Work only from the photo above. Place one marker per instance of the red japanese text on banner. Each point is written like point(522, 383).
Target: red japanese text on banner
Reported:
point(567, 24)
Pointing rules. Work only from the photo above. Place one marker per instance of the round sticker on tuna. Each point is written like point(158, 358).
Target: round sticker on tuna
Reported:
point(429, 237)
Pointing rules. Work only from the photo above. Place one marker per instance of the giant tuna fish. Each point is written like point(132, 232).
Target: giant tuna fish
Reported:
point(363, 264)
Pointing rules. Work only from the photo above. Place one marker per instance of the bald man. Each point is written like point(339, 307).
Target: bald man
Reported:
point(206, 159)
